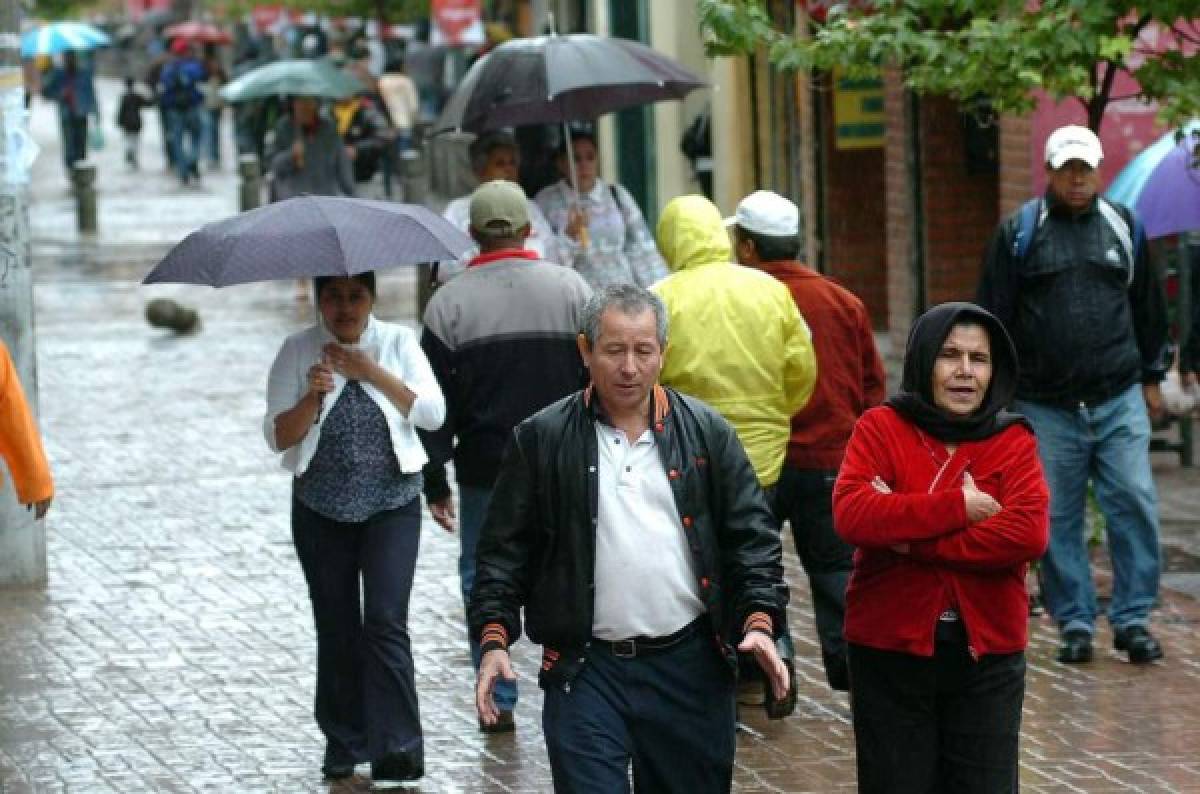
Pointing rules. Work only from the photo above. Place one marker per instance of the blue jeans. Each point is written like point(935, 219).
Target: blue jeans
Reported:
point(186, 123)
point(472, 509)
point(1108, 443)
point(669, 714)
point(366, 703)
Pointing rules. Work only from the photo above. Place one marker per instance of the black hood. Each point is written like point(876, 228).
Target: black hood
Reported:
point(915, 399)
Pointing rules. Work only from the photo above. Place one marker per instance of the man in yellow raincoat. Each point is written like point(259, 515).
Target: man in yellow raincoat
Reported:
point(737, 341)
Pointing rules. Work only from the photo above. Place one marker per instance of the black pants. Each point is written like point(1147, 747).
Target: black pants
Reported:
point(670, 714)
point(941, 725)
point(804, 498)
point(366, 702)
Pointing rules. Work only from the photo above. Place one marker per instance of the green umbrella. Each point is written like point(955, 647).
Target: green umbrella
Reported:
point(298, 77)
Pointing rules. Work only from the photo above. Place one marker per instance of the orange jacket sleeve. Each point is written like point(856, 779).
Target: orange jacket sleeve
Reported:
point(20, 444)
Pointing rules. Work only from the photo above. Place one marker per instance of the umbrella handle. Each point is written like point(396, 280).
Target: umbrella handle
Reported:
point(574, 176)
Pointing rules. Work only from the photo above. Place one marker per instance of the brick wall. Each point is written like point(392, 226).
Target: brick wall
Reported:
point(1016, 180)
point(960, 209)
point(855, 218)
point(899, 213)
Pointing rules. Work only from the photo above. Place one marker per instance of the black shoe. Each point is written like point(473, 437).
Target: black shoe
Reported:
point(1076, 647)
point(396, 767)
point(1138, 643)
point(337, 771)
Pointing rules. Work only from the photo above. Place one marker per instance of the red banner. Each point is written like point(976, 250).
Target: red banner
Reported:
point(454, 18)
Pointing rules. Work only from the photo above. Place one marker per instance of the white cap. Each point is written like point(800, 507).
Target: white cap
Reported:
point(764, 212)
point(1073, 143)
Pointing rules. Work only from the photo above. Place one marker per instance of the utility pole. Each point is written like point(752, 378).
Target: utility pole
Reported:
point(22, 539)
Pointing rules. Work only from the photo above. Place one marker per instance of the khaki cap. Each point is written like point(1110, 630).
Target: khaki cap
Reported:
point(499, 208)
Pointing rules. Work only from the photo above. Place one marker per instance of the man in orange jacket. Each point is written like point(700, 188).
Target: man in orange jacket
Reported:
point(20, 444)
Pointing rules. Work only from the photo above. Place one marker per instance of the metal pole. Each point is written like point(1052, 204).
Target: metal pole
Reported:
point(22, 539)
point(1183, 318)
point(250, 194)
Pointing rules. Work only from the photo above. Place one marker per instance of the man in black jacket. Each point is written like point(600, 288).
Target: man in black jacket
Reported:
point(1071, 280)
point(628, 523)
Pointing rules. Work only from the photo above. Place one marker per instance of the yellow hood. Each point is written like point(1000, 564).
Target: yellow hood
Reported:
point(691, 233)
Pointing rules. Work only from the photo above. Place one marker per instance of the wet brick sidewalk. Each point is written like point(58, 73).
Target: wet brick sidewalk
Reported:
point(173, 649)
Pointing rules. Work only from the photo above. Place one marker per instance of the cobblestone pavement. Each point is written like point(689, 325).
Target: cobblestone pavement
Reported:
point(173, 649)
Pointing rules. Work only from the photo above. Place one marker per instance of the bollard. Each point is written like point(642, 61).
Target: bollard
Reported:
point(251, 182)
point(83, 177)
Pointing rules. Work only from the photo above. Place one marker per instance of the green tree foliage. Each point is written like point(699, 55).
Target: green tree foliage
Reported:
point(1000, 48)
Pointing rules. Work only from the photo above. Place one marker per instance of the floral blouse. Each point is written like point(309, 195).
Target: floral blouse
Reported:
point(620, 248)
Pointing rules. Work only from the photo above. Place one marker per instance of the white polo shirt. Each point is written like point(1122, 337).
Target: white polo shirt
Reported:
point(646, 582)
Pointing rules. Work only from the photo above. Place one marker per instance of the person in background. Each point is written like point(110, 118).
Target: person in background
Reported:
point(213, 104)
point(766, 232)
point(179, 92)
point(129, 120)
point(942, 493)
point(501, 339)
point(400, 99)
point(20, 443)
point(494, 155)
point(307, 155)
point(599, 225)
point(1088, 316)
point(70, 85)
point(344, 400)
point(363, 130)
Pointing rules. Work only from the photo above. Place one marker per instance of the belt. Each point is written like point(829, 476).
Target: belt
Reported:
point(647, 646)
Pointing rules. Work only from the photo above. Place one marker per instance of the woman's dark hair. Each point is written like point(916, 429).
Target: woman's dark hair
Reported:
point(366, 279)
point(576, 135)
point(770, 248)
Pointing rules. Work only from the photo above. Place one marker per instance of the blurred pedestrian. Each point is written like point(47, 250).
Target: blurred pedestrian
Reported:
point(307, 156)
point(942, 492)
point(71, 86)
point(494, 155)
point(627, 524)
point(179, 85)
point(515, 355)
point(364, 134)
point(599, 225)
point(738, 342)
point(344, 400)
point(400, 98)
point(129, 120)
point(21, 444)
point(850, 379)
point(1070, 276)
point(215, 78)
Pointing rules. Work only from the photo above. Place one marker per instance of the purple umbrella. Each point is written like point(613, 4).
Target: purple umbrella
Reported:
point(310, 236)
point(1163, 184)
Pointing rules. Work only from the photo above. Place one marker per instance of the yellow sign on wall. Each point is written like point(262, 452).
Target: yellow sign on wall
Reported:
point(857, 112)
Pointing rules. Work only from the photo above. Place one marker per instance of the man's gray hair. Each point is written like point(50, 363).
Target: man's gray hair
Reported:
point(482, 147)
point(630, 301)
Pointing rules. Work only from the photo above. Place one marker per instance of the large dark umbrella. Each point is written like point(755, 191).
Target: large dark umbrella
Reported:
point(551, 79)
point(310, 236)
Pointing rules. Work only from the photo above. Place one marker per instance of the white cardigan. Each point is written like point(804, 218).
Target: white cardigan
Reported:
point(396, 349)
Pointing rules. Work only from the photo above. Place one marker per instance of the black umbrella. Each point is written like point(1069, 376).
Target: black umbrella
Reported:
point(310, 236)
point(553, 78)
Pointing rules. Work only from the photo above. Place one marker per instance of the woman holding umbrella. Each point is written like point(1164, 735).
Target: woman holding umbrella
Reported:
point(344, 399)
point(307, 155)
point(599, 224)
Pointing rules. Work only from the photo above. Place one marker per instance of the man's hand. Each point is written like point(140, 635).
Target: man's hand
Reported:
point(443, 513)
point(351, 153)
point(298, 153)
point(979, 505)
point(763, 648)
point(494, 665)
point(1152, 394)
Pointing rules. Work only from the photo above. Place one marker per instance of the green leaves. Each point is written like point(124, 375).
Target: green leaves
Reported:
point(1005, 49)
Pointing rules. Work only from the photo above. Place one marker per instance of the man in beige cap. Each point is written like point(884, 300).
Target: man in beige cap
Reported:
point(1070, 277)
point(501, 340)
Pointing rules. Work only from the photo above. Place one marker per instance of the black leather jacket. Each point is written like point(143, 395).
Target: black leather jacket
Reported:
point(537, 548)
point(1083, 331)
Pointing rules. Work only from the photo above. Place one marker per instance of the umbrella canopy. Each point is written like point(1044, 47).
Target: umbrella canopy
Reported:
point(561, 78)
point(1163, 183)
point(310, 236)
point(293, 77)
point(60, 37)
point(203, 32)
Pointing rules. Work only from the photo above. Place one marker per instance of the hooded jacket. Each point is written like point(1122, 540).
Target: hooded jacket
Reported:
point(737, 340)
point(917, 554)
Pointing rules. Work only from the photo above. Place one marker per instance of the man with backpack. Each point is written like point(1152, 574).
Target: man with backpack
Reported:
point(1070, 277)
point(182, 103)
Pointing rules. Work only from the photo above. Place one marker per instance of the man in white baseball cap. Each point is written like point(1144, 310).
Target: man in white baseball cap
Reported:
point(1069, 276)
point(766, 212)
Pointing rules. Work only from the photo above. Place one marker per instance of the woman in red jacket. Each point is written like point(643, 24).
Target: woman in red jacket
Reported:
point(942, 492)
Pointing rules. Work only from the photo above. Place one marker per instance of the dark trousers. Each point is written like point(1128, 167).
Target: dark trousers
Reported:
point(670, 713)
point(74, 139)
point(804, 498)
point(366, 701)
point(941, 725)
